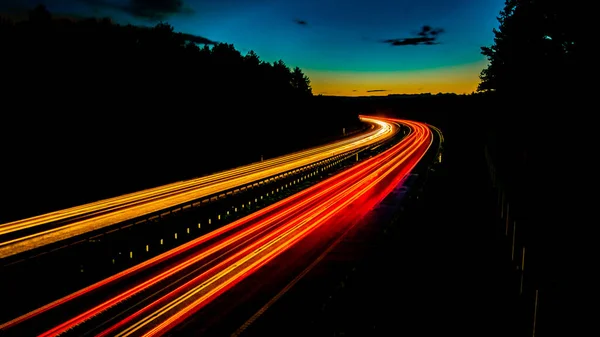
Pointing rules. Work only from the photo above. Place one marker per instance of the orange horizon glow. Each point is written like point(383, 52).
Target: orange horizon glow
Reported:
point(462, 79)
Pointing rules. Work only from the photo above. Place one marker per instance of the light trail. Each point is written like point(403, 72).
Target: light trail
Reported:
point(81, 219)
point(281, 212)
point(287, 205)
point(300, 227)
point(241, 248)
point(307, 215)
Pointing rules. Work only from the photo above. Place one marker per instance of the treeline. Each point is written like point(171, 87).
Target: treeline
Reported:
point(537, 71)
point(536, 78)
point(537, 75)
point(92, 108)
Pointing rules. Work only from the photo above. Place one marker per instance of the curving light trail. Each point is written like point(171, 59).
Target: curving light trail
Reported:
point(199, 271)
point(63, 224)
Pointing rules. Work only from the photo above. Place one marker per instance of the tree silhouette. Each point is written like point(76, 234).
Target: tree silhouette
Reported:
point(535, 49)
point(134, 107)
point(535, 67)
point(301, 82)
point(40, 15)
point(252, 60)
point(536, 72)
point(101, 57)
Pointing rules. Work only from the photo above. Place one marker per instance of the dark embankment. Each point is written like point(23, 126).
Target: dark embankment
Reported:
point(92, 109)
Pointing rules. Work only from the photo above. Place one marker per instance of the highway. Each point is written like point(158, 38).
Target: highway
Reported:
point(23, 235)
point(157, 295)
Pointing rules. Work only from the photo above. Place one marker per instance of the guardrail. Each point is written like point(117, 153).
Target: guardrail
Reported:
point(440, 149)
point(514, 228)
point(187, 206)
point(233, 191)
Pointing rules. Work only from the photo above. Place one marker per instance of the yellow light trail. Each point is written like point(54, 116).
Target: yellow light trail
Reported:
point(130, 206)
point(224, 263)
point(263, 250)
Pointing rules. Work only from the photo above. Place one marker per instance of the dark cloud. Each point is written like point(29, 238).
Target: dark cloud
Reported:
point(427, 31)
point(155, 10)
point(411, 41)
point(198, 39)
point(377, 90)
point(300, 22)
point(354, 90)
point(20, 12)
point(426, 36)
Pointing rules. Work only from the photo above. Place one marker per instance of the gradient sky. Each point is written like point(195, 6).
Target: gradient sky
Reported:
point(339, 44)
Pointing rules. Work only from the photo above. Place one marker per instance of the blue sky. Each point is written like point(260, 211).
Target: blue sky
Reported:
point(339, 38)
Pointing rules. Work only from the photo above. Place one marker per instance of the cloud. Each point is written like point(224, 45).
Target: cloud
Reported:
point(17, 11)
point(427, 31)
point(154, 10)
point(377, 90)
point(426, 36)
point(411, 41)
point(300, 22)
point(198, 39)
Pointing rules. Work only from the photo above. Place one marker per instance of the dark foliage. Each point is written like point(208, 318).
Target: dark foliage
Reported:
point(536, 73)
point(537, 49)
point(92, 108)
point(536, 84)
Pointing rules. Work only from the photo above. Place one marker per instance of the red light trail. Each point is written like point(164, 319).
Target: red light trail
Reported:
point(199, 271)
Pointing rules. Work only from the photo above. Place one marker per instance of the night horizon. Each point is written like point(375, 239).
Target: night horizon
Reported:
point(263, 168)
point(347, 49)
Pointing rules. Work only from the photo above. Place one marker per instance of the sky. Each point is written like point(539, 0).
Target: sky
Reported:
point(347, 48)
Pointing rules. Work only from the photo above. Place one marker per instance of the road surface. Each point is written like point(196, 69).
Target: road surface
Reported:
point(22, 235)
point(155, 296)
